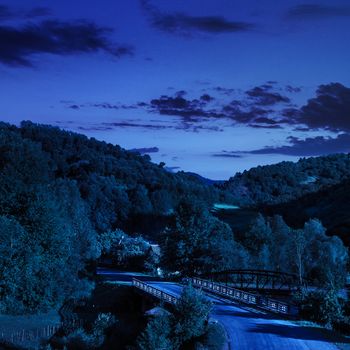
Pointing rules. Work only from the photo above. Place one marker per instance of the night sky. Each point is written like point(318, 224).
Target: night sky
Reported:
point(209, 86)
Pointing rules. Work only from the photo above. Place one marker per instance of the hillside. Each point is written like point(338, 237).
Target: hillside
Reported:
point(287, 181)
point(331, 205)
point(116, 184)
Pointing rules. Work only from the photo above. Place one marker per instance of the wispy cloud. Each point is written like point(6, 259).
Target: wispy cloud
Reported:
point(317, 11)
point(183, 24)
point(311, 146)
point(20, 44)
point(264, 96)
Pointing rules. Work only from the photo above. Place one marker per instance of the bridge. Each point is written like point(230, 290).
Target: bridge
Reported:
point(258, 280)
point(246, 328)
point(228, 293)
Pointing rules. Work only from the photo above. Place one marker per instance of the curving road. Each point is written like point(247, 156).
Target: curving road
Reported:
point(249, 329)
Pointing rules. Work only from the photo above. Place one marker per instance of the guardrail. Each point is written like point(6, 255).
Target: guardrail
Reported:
point(154, 291)
point(245, 297)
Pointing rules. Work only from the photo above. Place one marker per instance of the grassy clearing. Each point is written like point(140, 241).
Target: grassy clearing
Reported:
point(28, 331)
point(223, 206)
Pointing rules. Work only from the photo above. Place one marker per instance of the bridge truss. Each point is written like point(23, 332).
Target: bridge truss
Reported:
point(259, 280)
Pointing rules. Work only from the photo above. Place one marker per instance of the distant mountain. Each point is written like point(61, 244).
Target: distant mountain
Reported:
point(204, 180)
point(287, 181)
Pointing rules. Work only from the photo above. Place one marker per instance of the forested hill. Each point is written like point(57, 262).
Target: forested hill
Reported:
point(115, 184)
point(331, 205)
point(287, 181)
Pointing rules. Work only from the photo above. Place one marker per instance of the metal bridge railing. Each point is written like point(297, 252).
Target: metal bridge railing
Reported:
point(246, 297)
point(154, 291)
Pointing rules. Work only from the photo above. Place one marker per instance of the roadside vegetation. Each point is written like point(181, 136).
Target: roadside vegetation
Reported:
point(187, 327)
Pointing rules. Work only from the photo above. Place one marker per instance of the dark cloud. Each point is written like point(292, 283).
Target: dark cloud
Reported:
point(263, 96)
point(223, 90)
point(145, 150)
point(310, 146)
point(264, 120)
point(184, 126)
point(259, 126)
point(290, 88)
point(180, 23)
point(317, 11)
point(233, 107)
point(74, 107)
point(18, 45)
point(291, 115)
point(106, 105)
point(207, 98)
point(95, 128)
point(225, 154)
point(253, 114)
point(330, 109)
point(302, 128)
point(136, 125)
point(180, 106)
point(245, 112)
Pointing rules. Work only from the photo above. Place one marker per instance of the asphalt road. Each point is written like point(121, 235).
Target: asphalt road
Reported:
point(248, 329)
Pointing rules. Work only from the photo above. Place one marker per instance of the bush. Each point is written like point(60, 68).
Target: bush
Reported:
point(191, 315)
point(80, 339)
point(156, 336)
point(214, 338)
point(325, 308)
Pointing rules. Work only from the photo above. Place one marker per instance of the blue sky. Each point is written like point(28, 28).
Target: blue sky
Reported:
point(207, 86)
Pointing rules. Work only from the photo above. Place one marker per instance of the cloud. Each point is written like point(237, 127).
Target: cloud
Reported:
point(8, 14)
point(223, 90)
point(264, 120)
point(207, 98)
point(76, 107)
point(201, 108)
point(225, 154)
point(137, 125)
point(259, 126)
point(19, 44)
point(145, 150)
point(330, 109)
point(183, 24)
point(105, 105)
point(293, 89)
point(263, 96)
point(317, 11)
point(310, 146)
point(180, 106)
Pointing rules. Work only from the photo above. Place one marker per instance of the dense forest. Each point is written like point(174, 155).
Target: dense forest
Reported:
point(287, 181)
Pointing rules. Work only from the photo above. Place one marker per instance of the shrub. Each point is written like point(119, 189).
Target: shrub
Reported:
point(322, 307)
